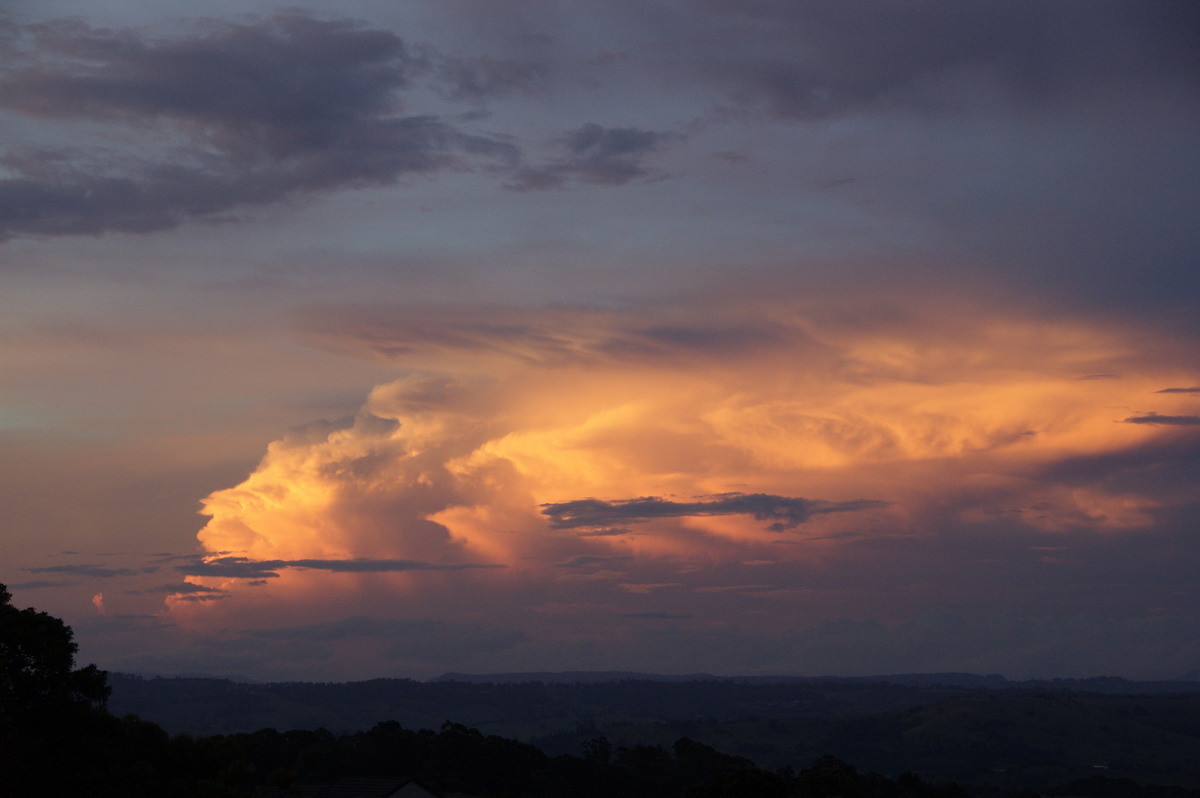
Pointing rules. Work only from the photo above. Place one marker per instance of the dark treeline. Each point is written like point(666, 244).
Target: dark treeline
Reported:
point(1007, 739)
point(455, 759)
point(57, 738)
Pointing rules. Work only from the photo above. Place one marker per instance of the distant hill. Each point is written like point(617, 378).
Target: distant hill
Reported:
point(573, 677)
point(1113, 685)
point(960, 727)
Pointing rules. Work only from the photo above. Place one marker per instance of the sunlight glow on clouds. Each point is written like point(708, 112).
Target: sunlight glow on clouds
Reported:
point(626, 443)
point(753, 336)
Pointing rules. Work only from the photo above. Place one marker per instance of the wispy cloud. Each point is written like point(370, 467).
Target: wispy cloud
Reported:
point(585, 560)
point(782, 512)
point(596, 154)
point(183, 588)
point(1166, 421)
point(94, 571)
point(243, 568)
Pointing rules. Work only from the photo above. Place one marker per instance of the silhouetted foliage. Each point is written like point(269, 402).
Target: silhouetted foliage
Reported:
point(37, 666)
point(58, 739)
point(50, 711)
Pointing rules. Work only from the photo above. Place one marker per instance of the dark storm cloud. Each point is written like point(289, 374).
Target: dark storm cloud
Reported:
point(485, 77)
point(595, 154)
point(585, 560)
point(243, 568)
point(783, 512)
point(201, 597)
point(1171, 421)
point(1166, 470)
point(287, 79)
point(184, 588)
point(94, 571)
point(606, 532)
point(252, 113)
point(814, 60)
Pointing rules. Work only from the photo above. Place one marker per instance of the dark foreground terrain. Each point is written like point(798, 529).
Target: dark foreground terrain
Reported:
point(994, 737)
point(67, 731)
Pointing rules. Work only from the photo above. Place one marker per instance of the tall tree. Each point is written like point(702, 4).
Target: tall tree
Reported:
point(51, 712)
point(37, 666)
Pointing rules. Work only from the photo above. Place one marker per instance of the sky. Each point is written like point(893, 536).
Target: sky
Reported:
point(387, 339)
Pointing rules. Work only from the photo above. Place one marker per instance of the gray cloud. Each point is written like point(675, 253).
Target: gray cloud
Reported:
point(198, 597)
point(1165, 470)
point(815, 60)
point(606, 532)
point(94, 571)
point(243, 568)
point(595, 154)
point(1171, 421)
point(1179, 390)
point(783, 512)
point(483, 77)
point(548, 337)
point(184, 588)
point(584, 560)
point(253, 113)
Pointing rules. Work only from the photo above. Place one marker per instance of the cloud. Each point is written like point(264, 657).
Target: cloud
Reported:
point(783, 512)
point(906, 430)
point(817, 61)
point(242, 568)
point(246, 114)
point(183, 588)
point(606, 532)
point(1170, 421)
point(599, 155)
point(484, 77)
point(584, 560)
point(1179, 390)
point(94, 571)
point(550, 337)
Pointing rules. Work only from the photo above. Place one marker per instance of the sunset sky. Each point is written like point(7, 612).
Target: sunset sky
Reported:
point(396, 337)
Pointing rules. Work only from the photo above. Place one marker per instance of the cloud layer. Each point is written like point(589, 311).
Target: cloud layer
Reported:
point(248, 114)
point(981, 452)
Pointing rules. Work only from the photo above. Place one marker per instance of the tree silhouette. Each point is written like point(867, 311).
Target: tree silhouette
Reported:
point(37, 666)
point(48, 707)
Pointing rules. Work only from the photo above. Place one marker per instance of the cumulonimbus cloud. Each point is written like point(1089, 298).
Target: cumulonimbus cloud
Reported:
point(526, 455)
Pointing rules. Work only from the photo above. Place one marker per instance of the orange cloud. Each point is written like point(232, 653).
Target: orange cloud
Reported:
point(651, 440)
